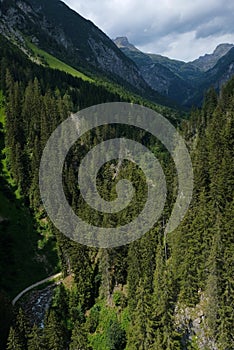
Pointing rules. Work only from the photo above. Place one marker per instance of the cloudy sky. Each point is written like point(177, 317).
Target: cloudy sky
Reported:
point(181, 29)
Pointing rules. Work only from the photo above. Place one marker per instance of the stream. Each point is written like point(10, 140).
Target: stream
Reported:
point(36, 304)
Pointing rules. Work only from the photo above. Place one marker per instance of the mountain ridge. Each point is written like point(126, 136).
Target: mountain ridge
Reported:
point(208, 61)
point(66, 35)
point(179, 80)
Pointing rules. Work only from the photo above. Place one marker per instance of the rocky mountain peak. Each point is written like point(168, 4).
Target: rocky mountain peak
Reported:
point(208, 61)
point(123, 43)
point(222, 49)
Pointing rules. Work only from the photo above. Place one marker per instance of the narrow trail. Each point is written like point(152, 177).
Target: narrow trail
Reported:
point(48, 279)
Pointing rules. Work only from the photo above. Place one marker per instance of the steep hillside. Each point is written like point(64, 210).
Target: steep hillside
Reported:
point(186, 71)
point(123, 43)
point(216, 77)
point(26, 255)
point(18, 234)
point(60, 31)
point(169, 77)
point(165, 290)
point(44, 58)
point(34, 99)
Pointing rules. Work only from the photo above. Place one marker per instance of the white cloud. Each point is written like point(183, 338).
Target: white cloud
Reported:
point(181, 29)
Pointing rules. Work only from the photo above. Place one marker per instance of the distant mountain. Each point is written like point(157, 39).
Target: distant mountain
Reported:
point(222, 72)
point(181, 81)
point(208, 61)
point(186, 71)
point(169, 77)
point(53, 27)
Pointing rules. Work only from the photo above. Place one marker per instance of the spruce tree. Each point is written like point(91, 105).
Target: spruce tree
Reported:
point(55, 337)
point(79, 339)
point(13, 342)
point(35, 339)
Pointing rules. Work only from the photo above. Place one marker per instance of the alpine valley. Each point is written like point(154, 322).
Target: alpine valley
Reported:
point(164, 291)
point(180, 81)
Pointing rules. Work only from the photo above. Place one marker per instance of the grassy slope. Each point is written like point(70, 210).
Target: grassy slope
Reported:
point(42, 57)
point(21, 262)
point(55, 63)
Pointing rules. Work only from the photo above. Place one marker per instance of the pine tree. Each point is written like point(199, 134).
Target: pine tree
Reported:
point(13, 342)
point(79, 339)
point(116, 337)
point(55, 338)
point(35, 339)
point(22, 328)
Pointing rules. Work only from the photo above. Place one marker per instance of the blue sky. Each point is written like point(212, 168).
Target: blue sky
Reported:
point(181, 29)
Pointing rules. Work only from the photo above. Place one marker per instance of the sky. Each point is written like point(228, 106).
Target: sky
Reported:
point(180, 29)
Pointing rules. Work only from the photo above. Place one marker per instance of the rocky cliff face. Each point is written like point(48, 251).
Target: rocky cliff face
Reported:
point(18, 19)
point(192, 323)
point(216, 77)
point(208, 61)
point(224, 69)
point(57, 29)
point(62, 32)
point(110, 61)
point(122, 42)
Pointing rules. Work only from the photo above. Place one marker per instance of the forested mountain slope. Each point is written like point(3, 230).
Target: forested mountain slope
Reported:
point(34, 100)
point(60, 31)
point(161, 292)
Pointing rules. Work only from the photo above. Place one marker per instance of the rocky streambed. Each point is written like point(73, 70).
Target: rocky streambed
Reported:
point(36, 303)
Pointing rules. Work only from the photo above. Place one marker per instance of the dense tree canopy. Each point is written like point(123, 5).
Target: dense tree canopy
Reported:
point(131, 297)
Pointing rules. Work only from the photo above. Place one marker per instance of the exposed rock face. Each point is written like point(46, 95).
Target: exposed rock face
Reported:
point(224, 69)
point(19, 19)
point(109, 61)
point(208, 61)
point(64, 33)
point(54, 27)
point(192, 324)
point(156, 73)
point(122, 42)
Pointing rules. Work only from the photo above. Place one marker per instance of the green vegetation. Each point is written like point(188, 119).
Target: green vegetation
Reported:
point(2, 109)
point(131, 297)
point(54, 63)
point(105, 328)
point(19, 239)
point(101, 82)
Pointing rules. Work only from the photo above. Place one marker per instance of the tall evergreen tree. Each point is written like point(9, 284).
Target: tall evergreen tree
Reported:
point(55, 338)
point(79, 339)
point(13, 342)
point(35, 339)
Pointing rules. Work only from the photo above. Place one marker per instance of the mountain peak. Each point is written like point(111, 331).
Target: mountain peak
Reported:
point(123, 43)
point(222, 49)
point(208, 61)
